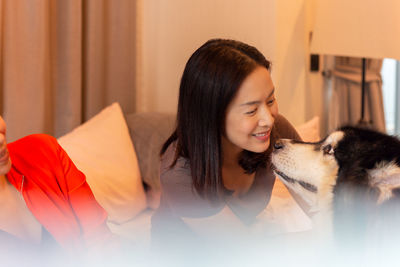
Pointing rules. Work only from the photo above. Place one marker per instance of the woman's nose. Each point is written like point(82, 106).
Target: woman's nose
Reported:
point(278, 144)
point(266, 120)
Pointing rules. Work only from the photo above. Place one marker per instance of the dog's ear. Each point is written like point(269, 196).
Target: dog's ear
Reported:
point(389, 187)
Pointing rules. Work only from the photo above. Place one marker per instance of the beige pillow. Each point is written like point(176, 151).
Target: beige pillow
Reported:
point(309, 131)
point(102, 149)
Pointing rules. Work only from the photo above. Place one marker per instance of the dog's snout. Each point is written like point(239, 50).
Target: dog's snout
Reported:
point(278, 144)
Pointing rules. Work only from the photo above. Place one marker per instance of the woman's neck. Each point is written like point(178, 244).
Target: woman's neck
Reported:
point(236, 180)
point(230, 153)
point(234, 177)
point(3, 182)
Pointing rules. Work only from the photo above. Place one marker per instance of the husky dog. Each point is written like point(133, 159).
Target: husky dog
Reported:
point(351, 179)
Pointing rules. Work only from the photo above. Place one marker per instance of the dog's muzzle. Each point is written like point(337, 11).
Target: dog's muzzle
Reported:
point(278, 144)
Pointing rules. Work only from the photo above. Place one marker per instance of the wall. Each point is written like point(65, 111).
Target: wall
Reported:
point(170, 30)
point(290, 75)
point(314, 88)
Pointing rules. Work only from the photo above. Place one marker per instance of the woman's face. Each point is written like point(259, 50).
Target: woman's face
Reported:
point(5, 162)
point(251, 114)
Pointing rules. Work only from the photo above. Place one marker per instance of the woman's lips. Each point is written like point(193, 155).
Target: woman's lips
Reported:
point(262, 136)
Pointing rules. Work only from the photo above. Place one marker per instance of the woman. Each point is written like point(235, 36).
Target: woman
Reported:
point(218, 156)
point(46, 202)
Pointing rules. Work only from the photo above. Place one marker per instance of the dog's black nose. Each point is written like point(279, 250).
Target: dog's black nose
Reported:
point(278, 145)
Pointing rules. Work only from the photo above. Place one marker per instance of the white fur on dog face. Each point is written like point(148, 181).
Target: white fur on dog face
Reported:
point(310, 164)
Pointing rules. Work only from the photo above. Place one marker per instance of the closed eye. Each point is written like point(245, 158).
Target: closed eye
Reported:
point(271, 102)
point(251, 112)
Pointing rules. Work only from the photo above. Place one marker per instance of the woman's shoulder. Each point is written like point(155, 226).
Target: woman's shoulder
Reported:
point(174, 176)
point(34, 144)
point(177, 191)
point(167, 162)
point(35, 150)
point(35, 140)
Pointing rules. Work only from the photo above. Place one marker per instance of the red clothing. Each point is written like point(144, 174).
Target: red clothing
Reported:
point(56, 192)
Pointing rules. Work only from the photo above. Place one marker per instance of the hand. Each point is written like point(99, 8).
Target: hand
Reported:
point(5, 162)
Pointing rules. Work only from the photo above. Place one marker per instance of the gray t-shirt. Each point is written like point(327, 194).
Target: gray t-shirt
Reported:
point(180, 200)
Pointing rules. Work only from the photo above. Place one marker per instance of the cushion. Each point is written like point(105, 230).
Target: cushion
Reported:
point(102, 149)
point(310, 130)
point(149, 131)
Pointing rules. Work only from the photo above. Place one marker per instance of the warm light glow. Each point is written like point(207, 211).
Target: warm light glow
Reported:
point(357, 28)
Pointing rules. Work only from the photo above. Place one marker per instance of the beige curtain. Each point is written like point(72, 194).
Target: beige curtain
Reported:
point(62, 61)
point(344, 100)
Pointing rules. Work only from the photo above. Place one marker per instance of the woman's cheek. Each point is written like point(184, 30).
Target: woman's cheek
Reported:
point(275, 110)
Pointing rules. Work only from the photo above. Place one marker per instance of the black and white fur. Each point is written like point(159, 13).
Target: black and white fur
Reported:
point(350, 179)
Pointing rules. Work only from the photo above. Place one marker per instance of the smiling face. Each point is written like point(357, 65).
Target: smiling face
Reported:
point(251, 114)
point(5, 162)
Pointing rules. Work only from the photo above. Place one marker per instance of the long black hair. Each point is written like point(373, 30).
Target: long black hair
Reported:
point(211, 79)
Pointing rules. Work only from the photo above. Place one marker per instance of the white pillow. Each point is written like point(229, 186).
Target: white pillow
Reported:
point(102, 149)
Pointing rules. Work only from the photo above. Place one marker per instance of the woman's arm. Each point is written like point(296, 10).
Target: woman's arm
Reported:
point(89, 214)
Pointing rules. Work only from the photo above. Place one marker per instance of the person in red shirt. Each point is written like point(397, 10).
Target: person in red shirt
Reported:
point(45, 198)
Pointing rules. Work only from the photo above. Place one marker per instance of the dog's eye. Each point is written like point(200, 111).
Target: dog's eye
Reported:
point(328, 150)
